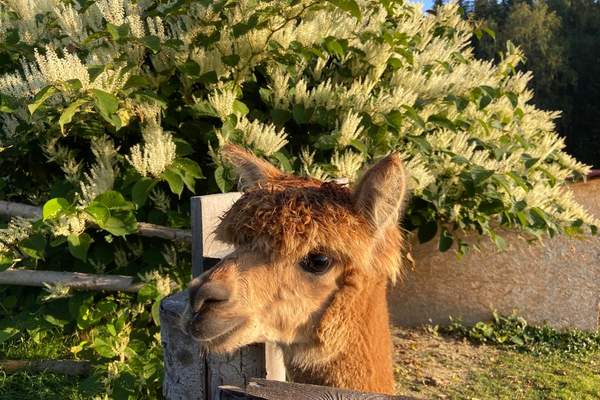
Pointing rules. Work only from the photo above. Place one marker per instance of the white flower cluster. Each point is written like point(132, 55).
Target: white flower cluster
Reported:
point(222, 101)
point(164, 284)
point(350, 129)
point(18, 229)
point(347, 164)
point(156, 154)
point(65, 225)
point(101, 176)
point(262, 137)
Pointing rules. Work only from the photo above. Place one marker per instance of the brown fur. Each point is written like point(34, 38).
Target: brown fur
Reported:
point(333, 328)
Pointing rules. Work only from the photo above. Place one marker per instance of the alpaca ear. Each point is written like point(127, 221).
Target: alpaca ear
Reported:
point(250, 169)
point(381, 192)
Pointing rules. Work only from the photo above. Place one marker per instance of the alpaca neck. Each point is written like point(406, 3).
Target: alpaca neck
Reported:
point(364, 359)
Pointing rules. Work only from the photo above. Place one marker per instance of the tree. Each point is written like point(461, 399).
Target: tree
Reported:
point(560, 41)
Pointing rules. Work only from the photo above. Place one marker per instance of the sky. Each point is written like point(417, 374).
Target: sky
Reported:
point(426, 3)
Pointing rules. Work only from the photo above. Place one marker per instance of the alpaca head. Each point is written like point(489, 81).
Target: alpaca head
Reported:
point(306, 253)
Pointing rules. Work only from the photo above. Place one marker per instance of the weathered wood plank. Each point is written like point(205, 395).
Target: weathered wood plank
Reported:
point(235, 369)
point(206, 213)
point(73, 280)
point(185, 366)
point(227, 392)
point(274, 390)
point(274, 366)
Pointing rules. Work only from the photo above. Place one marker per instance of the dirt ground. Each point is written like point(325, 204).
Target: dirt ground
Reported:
point(427, 363)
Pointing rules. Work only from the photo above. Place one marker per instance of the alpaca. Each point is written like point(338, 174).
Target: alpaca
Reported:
point(310, 272)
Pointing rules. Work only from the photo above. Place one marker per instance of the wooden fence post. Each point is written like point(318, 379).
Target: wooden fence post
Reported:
point(188, 374)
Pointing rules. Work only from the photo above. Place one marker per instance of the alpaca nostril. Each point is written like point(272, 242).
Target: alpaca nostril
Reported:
point(207, 295)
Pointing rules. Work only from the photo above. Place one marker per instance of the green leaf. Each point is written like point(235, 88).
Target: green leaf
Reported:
point(41, 97)
point(204, 108)
point(7, 333)
point(5, 262)
point(446, 240)
point(34, 246)
point(189, 167)
point(208, 78)
point(412, 114)
point(517, 340)
point(358, 145)
point(231, 60)
point(182, 147)
point(479, 174)
point(220, 179)
point(301, 114)
point(350, 6)
point(491, 206)
point(514, 100)
point(240, 28)
point(152, 42)
point(53, 207)
point(7, 104)
point(111, 329)
point(442, 121)
point(147, 292)
point(190, 68)
point(114, 201)
point(120, 225)
point(394, 119)
point(141, 190)
point(155, 311)
point(240, 108)
point(55, 321)
point(98, 212)
point(118, 33)
point(136, 81)
point(427, 231)
point(69, 112)
point(174, 180)
point(79, 245)
point(335, 46)
point(284, 162)
point(280, 117)
point(107, 105)
point(490, 32)
point(103, 348)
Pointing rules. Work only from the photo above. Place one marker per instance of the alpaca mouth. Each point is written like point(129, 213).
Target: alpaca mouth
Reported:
point(211, 333)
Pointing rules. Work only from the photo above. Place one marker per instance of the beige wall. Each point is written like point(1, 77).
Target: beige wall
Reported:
point(557, 282)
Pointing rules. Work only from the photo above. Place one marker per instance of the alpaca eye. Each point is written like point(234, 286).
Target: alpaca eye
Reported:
point(316, 263)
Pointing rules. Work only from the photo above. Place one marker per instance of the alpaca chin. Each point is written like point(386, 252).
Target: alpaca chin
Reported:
point(231, 335)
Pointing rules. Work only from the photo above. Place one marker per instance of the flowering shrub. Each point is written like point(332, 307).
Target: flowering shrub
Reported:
point(113, 112)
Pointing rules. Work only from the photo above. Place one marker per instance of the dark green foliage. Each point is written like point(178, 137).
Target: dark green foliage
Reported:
point(515, 332)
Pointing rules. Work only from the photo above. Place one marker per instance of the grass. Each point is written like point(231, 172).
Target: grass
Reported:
point(429, 365)
point(40, 385)
point(526, 376)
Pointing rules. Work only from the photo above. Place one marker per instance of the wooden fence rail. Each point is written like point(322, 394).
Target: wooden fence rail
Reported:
point(73, 280)
point(11, 209)
point(262, 389)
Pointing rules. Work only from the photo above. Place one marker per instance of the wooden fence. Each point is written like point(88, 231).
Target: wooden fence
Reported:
point(78, 280)
point(261, 389)
point(72, 280)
